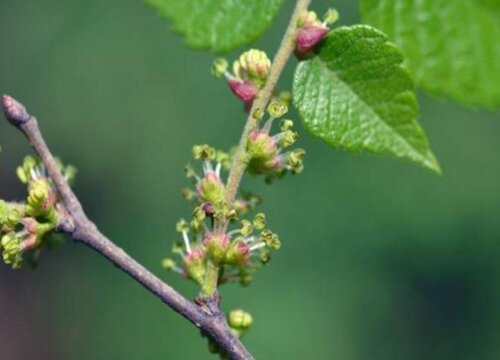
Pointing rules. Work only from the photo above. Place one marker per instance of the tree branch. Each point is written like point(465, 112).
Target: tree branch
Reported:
point(203, 314)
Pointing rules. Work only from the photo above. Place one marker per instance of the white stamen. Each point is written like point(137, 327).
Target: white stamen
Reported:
point(217, 169)
point(267, 126)
point(207, 166)
point(233, 232)
point(186, 242)
point(257, 246)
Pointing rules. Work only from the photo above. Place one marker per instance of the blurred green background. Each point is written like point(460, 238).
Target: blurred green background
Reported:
point(381, 259)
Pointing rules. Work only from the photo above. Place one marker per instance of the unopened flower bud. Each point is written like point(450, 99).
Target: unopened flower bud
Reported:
point(239, 319)
point(244, 90)
point(307, 38)
point(262, 151)
point(211, 189)
point(14, 111)
point(217, 246)
point(194, 265)
point(11, 250)
point(41, 196)
point(253, 65)
point(261, 145)
point(168, 264)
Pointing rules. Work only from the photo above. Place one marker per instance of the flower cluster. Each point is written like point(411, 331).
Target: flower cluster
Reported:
point(249, 75)
point(311, 30)
point(266, 153)
point(25, 226)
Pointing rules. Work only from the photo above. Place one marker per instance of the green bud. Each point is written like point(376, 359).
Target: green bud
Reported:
point(9, 215)
point(245, 278)
point(11, 246)
point(261, 148)
point(239, 319)
point(211, 189)
point(246, 227)
point(168, 264)
point(41, 197)
point(217, 246)
point(259, 221)
point(219, 67)
point(277, 109)
point(253, 65)
point(194, 265)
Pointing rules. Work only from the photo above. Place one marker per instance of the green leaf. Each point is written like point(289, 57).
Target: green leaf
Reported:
point(452, 46)
point(356, 96)
point(218, 25)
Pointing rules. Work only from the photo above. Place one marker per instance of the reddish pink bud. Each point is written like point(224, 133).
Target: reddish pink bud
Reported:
point(307, 38)
point(14, 111)
point(244, 90)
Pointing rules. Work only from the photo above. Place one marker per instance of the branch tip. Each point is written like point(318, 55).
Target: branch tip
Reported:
point(14, 111)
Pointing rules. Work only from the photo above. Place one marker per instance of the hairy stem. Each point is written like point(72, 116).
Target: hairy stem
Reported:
point(209, 287)
point(286, 48)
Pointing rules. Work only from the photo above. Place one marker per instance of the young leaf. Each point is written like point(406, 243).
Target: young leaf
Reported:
point(452, 46)
point(218, 25)
point(354, 95)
